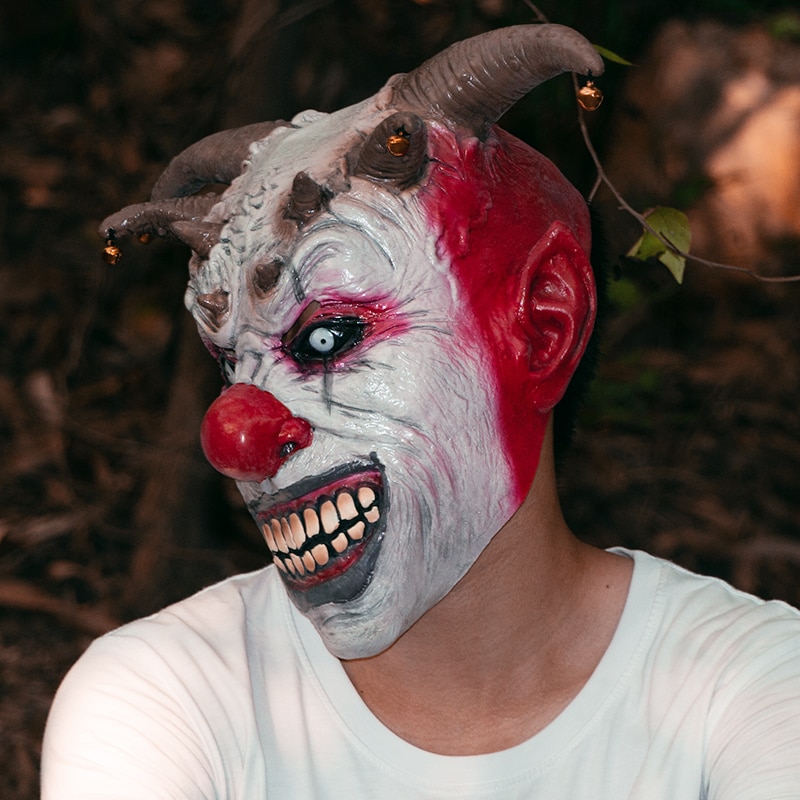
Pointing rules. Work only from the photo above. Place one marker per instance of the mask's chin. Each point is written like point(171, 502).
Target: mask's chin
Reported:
point(365, 609)
point(395, 599)
point(351, 636)
point(361, 611)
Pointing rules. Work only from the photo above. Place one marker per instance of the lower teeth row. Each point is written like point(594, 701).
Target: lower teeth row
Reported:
point(334, 526)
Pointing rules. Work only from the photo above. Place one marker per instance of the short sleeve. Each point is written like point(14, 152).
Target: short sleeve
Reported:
point(119, 728)
point(754, 731)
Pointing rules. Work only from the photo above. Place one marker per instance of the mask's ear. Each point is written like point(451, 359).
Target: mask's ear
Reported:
point(557, 310)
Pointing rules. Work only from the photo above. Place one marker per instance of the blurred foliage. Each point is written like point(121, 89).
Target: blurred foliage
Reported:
point(690, 448)
point(785, 25)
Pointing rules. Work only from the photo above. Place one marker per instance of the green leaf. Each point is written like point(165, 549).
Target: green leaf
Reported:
point(611, 56)
point(647, 246)
point(671, 228)
point(674, 263)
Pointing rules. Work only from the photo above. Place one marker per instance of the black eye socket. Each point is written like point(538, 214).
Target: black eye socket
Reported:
point(327, 339)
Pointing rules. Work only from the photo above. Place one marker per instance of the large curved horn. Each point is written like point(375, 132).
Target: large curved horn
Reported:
point(216, 159)
point(473, 83)
point(177, 217)
point(172, 211)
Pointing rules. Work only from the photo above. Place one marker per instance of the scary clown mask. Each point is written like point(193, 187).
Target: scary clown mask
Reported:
point(397, 294)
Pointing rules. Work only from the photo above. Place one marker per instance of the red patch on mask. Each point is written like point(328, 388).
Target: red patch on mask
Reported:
point(482, 199)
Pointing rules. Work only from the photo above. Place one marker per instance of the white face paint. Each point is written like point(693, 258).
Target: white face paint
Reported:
point(406, 479)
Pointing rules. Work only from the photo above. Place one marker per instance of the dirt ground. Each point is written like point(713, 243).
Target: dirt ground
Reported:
point(689, 447)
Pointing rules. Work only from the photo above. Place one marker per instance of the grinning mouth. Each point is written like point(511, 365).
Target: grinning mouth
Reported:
point(316, 537)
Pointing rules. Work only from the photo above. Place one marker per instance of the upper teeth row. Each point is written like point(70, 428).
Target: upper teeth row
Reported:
point(335, 523)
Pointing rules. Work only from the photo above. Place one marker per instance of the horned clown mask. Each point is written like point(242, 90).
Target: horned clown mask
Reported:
point(397, 294)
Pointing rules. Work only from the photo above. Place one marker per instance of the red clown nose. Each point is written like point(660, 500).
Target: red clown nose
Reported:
point(247, 433)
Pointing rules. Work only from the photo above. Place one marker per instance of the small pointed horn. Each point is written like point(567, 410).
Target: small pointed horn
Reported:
point(200, 236)
point(216, 159)
point(473, 83)
point(306, 200)
point(213, 306)
point(395, 152)
point(266, 275)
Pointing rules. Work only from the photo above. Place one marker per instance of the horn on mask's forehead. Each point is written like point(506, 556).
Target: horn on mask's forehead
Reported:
point(395, 153)
point(473, 83)
point(307, 199)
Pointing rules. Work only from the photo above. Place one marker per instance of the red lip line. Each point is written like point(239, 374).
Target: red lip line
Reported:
point(352, 481)
point(323, 533)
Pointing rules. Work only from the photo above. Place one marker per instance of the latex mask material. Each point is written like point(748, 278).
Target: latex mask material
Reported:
point(360, 282)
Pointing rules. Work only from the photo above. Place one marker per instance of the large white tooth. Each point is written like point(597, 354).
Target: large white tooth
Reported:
point(287, 533)
point(340, 543)
point(320, 553)
point(308, 561)
point(277, 533)
point(328, 517)
point(373, 515)
point(357, 531)
point(366, 497)
point(346, 506)
point(311, 520)
point(279, 564)
point(270, 539)
point(297, 530)
point(297, 561)
point(290, 566)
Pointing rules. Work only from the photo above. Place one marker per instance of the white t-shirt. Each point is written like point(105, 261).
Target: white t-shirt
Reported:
point(231, 694)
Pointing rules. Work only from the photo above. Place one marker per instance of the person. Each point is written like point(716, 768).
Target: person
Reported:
point(399, 295)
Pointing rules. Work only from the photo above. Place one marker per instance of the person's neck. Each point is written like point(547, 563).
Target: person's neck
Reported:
point(506, 650)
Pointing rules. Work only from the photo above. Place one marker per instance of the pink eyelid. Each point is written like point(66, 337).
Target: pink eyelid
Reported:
point(382, 319)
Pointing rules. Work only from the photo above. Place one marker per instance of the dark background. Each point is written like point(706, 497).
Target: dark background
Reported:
point(688, 447)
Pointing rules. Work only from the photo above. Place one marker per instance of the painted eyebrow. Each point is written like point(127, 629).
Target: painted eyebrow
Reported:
point(311, 309)
point(371, 239)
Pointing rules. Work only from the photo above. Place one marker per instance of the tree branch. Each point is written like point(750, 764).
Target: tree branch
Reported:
point(603, 179)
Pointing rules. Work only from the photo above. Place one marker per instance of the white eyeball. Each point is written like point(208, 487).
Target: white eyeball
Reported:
point(322, 340)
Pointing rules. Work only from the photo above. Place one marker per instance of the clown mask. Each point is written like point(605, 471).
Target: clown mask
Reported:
point(397, 294)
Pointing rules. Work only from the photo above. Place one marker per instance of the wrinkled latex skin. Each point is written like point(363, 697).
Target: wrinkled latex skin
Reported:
point(394, 334)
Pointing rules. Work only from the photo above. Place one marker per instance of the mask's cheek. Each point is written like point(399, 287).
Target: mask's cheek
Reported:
point(457, 464)
point(431, 541)
point(449, 494)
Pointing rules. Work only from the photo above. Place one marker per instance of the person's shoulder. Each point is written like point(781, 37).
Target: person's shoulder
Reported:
point(161, 695)
point(172, 657)
point(707, 595)
point(725, 663)
point(219, 618)
point(709, 610)
point(217, 606)
point(723, 596)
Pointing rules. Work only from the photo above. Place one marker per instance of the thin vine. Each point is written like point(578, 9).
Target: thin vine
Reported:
point(642, 219)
